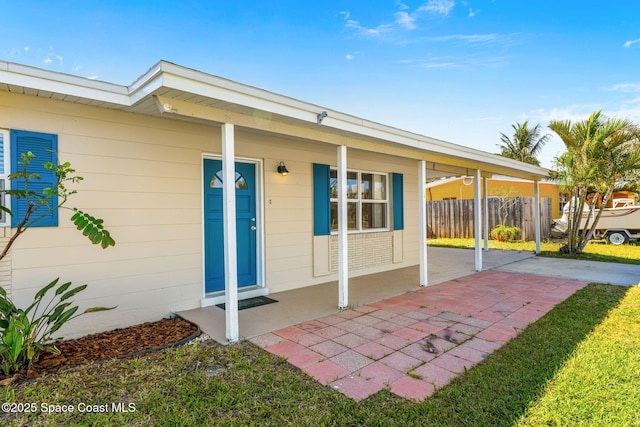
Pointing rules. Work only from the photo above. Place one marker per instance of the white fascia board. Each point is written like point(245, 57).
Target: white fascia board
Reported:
point(243, 98)
point(180, 78)
point(38, 79)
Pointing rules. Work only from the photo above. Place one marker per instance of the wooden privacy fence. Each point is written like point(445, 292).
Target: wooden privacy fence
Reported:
point(454, 218)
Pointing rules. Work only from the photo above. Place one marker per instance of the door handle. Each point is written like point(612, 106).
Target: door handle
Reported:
point(253, 228)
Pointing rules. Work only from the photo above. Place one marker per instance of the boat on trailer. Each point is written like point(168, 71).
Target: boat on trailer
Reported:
point(617, 224)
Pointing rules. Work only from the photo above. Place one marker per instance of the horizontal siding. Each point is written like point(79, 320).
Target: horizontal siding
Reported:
point(143, 177)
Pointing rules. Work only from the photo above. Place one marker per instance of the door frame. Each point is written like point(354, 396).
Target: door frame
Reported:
point(260, 288)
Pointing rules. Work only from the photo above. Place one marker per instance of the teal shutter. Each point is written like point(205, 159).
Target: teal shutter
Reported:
point(44, 146)
point(397, 191)
point(321, 200)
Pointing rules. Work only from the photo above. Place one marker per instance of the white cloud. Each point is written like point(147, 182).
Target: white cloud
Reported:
point(469, 38)
point(349, 57)
point(628, 43)
point(405, 20)
point(626, 87)
point(383, 28)
point(473, 13)
point(47, 60)
point(26, 48)
point(439, 7)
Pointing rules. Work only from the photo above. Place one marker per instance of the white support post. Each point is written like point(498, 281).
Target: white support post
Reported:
point(485, 203)
point(422, 221)
point(477, 219)
point(229, 215)
point(536, 212)
point(343, 243)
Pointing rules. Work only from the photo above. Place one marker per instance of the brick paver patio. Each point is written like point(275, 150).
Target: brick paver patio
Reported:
point(417, 342)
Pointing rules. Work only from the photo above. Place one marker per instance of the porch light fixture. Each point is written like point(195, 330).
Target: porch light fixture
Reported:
point(282, 169)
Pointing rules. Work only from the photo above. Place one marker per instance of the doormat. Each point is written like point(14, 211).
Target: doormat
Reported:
point(250, 303)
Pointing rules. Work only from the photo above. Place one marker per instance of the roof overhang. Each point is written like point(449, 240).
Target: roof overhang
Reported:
point(175, 92)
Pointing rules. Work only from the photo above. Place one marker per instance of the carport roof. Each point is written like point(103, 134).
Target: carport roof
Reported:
point(172, 91)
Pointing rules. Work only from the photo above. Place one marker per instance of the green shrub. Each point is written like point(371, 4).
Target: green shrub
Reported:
point(26, 333)
point(505, 233)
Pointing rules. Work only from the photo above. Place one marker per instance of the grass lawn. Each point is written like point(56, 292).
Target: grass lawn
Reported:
point(577, 365)
point(594, 251)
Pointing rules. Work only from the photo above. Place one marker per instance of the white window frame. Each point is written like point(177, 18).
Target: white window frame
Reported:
point(360, 201)
point(5, 219)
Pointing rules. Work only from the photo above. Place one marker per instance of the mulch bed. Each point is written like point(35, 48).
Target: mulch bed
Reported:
point(111, 344)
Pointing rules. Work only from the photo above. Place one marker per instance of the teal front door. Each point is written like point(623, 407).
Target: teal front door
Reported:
point(245, 184)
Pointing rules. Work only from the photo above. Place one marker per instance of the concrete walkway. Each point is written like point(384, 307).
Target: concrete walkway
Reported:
point(589, 271)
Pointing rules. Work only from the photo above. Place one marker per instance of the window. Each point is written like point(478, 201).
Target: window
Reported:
point(216, 181)
point(367, 200)
point(5, 163)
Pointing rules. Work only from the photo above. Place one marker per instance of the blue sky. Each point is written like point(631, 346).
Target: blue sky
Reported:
point(461, 71)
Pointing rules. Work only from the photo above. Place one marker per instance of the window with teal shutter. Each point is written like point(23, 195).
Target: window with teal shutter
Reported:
point(44, 146)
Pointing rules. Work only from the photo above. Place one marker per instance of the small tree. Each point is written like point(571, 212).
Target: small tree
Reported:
point(508, 199)
point(601, 153)
point(25, 333)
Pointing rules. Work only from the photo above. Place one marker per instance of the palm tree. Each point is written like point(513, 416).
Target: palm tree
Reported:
point(526, 143)
point(601, 155)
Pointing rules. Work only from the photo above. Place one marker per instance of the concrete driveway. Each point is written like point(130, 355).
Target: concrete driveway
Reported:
point(588, 271)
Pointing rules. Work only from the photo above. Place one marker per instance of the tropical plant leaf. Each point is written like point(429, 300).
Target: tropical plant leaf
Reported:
point(96, 309)
point(72, 292)
point(63, 288)
point(44, 290)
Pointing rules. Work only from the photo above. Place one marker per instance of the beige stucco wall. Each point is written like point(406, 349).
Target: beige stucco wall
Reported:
point(142, 175)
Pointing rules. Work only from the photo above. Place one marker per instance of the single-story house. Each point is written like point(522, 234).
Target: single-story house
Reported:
point(461, 188)
point(188, 172)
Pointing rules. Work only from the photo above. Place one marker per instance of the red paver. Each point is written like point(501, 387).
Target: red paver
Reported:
point(482, 345)
point(468, 353)
point(452, 363)
point(303, 358)
point(461, 322)
point(351, 360)
point(380, 373)
point(285, 348)
point(425, 327)
point(527, 315)
point(330, 332)
point(410, 334)
point(401, 361)
point(326, 372)
point(419, 351)
point(290, 332)
point(351, 340)
point(266, 340)
point(393, 341)
point(309, 339)
point(412, 388)
point(373, 350)
point(356, 387)
point(434, 374)
point(366, 320)
point(329, 348)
